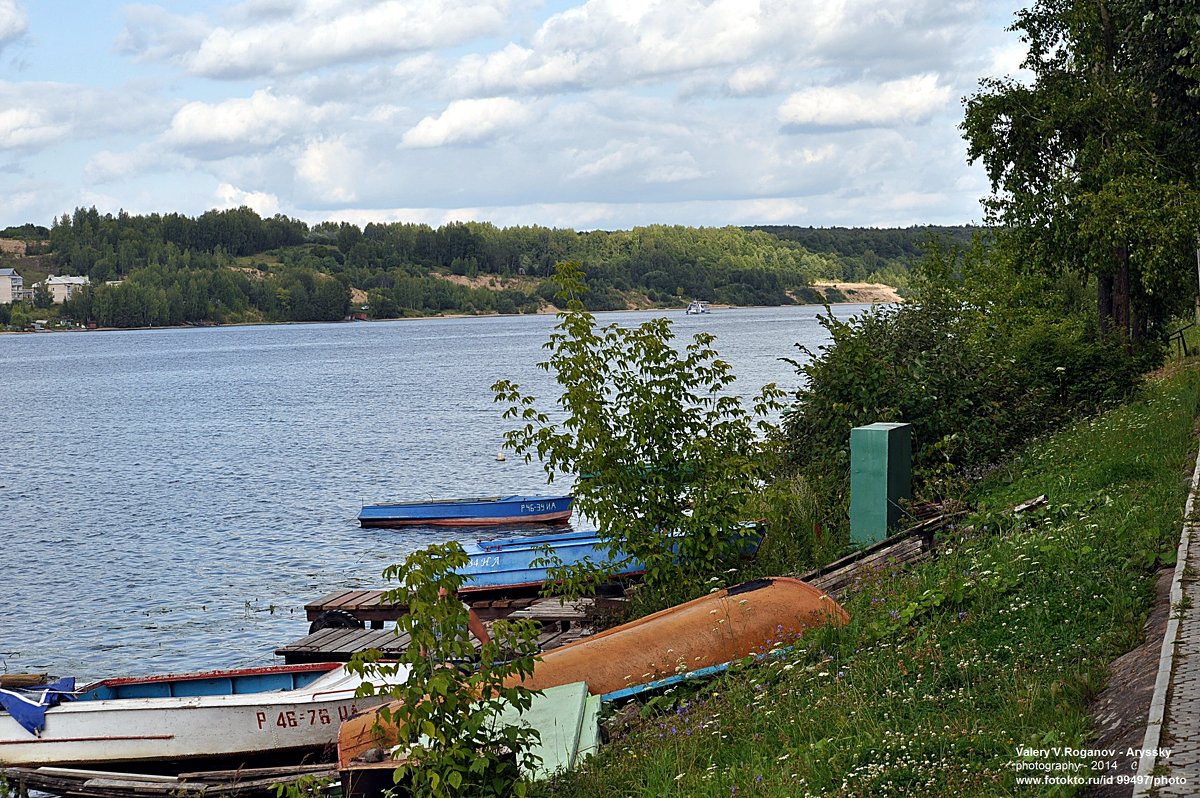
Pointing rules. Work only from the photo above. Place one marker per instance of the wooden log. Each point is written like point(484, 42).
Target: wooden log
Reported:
point(12, 681)
point(250, 774)
point(81, 773)
point(136, 787)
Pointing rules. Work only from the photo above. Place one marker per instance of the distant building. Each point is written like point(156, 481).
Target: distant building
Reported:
point(12, 287)
point(63, 288)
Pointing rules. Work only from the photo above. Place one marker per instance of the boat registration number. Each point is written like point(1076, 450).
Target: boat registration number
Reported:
point(539, 507)
point(295, 718)
point(484, 562)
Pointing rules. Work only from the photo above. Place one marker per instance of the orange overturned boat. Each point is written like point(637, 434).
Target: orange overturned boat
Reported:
point(699, 636)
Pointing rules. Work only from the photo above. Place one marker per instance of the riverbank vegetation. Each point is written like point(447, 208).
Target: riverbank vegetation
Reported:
point(233, 266)
point(946, 669)
point(1027, 368)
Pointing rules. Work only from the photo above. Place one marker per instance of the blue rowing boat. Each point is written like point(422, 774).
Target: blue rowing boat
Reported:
point(484, 511)
point(518, 564)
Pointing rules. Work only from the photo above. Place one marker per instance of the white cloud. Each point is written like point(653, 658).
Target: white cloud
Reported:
point(107, 165)
point(330, 169)
point(752, 79)
point(152, 33)
point(262, 203)
point(239, 125)
point(597, 215)
point(468, 121)
point(14, 22)
point(589, 113)
point(29, 128)
point(641, 161)
point(320, 33)
point(36, 116)
point(898, 102)
point(1007, 60)
point(517, 68)
point(613, 42)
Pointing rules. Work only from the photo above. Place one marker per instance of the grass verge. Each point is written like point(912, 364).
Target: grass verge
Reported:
point(946, 670)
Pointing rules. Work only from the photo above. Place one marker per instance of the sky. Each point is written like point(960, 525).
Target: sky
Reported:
point(606, 114)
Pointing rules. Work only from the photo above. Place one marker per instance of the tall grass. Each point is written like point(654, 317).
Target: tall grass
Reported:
point(946, 669)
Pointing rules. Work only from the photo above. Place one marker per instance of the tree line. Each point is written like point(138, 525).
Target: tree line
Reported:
point(234, 266)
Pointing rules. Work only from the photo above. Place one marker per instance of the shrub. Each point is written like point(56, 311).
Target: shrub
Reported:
point(446, 711)
point(974, 380)
point(667, 460)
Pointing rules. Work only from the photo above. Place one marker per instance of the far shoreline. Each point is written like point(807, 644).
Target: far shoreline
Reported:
point(879, 293)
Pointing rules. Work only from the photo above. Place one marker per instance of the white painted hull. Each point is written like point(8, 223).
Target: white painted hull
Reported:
point(130, 730)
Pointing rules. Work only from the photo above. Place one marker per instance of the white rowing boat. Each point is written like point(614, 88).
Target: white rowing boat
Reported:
point(286, 713)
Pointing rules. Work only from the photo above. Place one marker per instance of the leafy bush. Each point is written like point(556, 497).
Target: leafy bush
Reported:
point(973, 379)
point(445, 717)
point(667, 460)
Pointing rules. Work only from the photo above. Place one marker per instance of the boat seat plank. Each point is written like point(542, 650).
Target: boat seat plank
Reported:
point(356, 599)
point(552, 609)
point(365, 605)
point(368, 606)
point(338, 645)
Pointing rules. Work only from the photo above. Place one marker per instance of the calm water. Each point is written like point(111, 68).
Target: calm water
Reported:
point(170, 499)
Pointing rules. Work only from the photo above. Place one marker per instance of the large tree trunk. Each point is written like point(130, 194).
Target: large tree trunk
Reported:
point(1104, 301)
point(1139, 316)
point(1120, 300)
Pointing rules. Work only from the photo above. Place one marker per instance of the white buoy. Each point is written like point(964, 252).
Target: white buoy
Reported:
point(500, 457)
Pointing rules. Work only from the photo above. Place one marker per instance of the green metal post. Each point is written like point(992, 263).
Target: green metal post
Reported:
point(880, 476)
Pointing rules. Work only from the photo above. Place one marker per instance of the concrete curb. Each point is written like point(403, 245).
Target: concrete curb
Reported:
point(1166, 659)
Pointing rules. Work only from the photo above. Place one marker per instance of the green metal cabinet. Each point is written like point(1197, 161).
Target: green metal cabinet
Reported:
point(880, 476)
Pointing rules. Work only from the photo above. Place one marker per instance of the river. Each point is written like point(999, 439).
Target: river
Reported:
point(170, 499)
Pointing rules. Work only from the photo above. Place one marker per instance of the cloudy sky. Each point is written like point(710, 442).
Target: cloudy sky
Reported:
point(599, 114)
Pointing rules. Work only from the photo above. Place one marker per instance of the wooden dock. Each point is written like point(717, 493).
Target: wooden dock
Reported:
point(560, 623)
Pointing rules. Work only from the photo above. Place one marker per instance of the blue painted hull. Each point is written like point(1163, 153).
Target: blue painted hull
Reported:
point(488, 511)
point(507, 565)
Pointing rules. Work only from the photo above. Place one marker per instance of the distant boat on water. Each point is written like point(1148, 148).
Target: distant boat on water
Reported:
point(483, 511)
point(696, 308)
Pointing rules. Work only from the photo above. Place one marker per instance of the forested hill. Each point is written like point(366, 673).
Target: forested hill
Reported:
point(904, 244)
point(233, 266)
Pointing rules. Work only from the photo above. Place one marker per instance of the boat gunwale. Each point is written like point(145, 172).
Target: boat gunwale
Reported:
point(481, 500)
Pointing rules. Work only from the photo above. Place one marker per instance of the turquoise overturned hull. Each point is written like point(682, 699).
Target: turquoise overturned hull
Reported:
point(514, 564)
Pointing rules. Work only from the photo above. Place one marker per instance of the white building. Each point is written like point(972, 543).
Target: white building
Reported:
point(62, 288)
point(12, 287)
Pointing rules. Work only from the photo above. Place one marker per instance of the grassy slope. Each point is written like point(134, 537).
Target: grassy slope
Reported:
point(999, 642)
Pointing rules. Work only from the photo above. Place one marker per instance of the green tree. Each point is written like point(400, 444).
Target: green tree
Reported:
point(445, 714)
point(41, 296)
point(666, 458)
point(1093, 164)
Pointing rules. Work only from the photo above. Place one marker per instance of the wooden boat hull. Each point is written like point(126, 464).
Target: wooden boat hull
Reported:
point(486, 511)
point(744, 620)
point(158, 722)
point(511, 565)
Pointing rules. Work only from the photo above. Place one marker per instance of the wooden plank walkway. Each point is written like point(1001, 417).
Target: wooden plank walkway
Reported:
point(369, 607)
point(901, 550)
point(560, 625)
